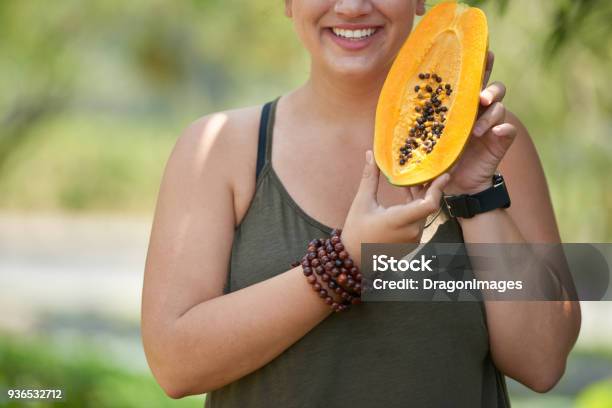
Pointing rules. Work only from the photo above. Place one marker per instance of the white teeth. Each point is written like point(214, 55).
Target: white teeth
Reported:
point(354, 34)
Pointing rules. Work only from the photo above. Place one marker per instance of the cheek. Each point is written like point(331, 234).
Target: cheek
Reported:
point(306, 15)
point(400, 15)
point(397, 9)
point(397, 12)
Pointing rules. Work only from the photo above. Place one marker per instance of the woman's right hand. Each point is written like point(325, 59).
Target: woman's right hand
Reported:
point(369, 222)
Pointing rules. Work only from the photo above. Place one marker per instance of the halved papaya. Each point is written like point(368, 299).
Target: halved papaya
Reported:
point(430, 97)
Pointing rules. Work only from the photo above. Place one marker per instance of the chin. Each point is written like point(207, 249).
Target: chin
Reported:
point(357, 67)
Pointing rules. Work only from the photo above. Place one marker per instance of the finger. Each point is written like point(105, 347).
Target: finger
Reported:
point(488, 68)
point(417, 192)
point(422, 207)
point(366, 195)
point(493, 93)
point(409, 195)
point(506, 132)
point(494, 115)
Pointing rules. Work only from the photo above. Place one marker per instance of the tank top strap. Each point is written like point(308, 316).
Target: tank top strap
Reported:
point(264, 144)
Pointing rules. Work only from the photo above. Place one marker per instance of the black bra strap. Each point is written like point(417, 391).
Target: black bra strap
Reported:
point(261, 144)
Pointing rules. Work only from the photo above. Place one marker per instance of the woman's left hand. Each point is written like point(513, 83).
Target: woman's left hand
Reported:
point(491, 138)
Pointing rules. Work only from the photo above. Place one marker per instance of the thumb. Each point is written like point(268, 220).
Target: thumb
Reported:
point(368, 188)
point(422, 207)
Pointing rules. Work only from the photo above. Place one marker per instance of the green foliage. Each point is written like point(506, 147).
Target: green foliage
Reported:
point(501, 5)
point(570, 22)
point(86, 378)
point(598, 395)
point(88, 163)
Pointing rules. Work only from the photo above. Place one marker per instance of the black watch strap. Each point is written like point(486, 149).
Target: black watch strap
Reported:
point(467, 206)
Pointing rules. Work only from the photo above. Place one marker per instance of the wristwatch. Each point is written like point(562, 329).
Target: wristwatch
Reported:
point(469, 205)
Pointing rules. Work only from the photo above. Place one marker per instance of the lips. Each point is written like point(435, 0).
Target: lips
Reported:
point(353, 37)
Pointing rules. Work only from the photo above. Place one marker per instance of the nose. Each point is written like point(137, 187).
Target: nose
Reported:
point(353, 8)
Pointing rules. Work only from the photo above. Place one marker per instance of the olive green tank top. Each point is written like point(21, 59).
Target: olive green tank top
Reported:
point(387, 354)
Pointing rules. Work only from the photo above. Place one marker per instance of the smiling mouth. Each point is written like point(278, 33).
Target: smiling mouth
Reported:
point(354, 35)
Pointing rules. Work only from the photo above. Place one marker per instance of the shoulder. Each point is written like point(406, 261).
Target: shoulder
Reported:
point(224, 136)
point(219, 150)
point(531, 208)
point(523, 150)
point(522, 131)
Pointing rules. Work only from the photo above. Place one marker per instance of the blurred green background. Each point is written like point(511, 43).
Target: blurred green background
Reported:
point(94, 95)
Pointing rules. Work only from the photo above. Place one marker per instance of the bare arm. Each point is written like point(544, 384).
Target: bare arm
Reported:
point(529, 341)
point(195, 339)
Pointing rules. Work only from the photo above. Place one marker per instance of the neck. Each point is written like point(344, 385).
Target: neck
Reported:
point(342, 98)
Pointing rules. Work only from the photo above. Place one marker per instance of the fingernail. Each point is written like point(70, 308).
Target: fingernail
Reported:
point(486, 96)
point(498, 130)
point(369, 157)
point(478, 130)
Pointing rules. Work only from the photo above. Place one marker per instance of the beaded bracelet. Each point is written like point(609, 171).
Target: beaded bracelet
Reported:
point(327, 264)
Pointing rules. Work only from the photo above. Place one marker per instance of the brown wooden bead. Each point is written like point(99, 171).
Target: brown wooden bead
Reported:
point(356, 301)
point(329, 259)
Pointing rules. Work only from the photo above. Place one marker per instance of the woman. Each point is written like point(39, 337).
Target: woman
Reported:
point(223, 312)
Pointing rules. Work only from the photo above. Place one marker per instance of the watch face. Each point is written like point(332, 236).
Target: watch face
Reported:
point(497, 179)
